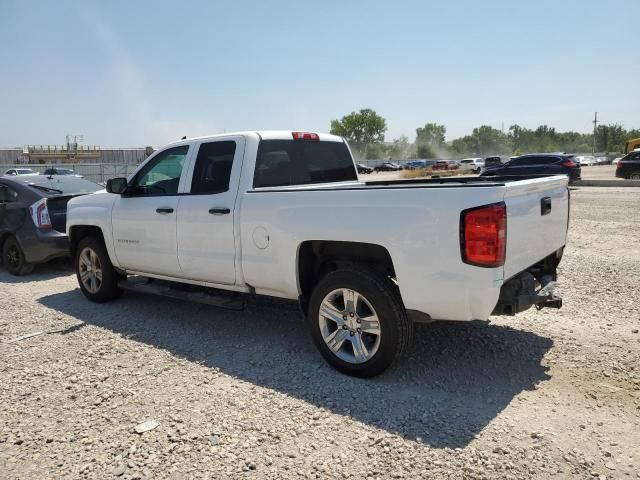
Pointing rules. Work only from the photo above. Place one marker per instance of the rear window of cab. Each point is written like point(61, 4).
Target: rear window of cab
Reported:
point(288, 162)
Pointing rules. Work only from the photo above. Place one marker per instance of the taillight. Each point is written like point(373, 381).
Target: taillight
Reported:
point(483, 235)
point(40, 214)
point(618, 165)
point(310, 137)
point(568, 163)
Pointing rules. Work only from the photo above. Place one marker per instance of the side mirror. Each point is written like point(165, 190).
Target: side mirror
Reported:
point(117, 185)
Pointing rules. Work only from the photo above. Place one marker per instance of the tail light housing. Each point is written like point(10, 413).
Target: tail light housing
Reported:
point(618, 165)
point(306, 136)
point(569, 163)
point(40, 214)
point(483, 235)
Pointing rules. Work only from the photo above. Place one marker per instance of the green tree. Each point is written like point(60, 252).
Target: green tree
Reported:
point(399, 149)
point(360, 129)
point(424, 150)
point(610, 138)
point(431, 134)
point(483, 141)
point(376, 151)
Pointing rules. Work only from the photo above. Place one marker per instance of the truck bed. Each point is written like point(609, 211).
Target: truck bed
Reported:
point(417, 222)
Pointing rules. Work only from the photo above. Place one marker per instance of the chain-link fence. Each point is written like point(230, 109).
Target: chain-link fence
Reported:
point(96, 172)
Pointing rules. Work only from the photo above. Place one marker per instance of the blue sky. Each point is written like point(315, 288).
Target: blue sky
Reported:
point(139, 73)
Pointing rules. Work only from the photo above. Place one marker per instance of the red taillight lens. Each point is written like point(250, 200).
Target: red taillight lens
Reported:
point(619, 165)
point(483, 232)
point(40, 214)
point(310, 137)
point(568, 163)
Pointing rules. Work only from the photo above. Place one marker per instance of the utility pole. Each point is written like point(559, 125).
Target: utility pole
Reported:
point(595, 124)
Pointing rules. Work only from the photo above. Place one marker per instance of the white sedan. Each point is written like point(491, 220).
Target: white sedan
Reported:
point(586, 161)
point(20, 171)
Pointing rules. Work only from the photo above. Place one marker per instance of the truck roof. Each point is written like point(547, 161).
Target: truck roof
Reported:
point(264, 135)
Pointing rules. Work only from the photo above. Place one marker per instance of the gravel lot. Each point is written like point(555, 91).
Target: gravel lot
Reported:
point(548, 394)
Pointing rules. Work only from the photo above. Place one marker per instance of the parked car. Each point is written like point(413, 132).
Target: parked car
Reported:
point(419, 163)
point(364, 169)
point(414, 164)
point(539, 164)
point(495, 161)
point(616, 160)
point(388, 167)
point(283, 214)
point(586, 160)
point(474, 165)
point(60, 171)
point(33, 219)
point(602, 161)
point(20, 171)
point(446, 165)
point(629, 166)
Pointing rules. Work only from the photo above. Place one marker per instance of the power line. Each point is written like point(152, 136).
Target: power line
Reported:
point(595, 124)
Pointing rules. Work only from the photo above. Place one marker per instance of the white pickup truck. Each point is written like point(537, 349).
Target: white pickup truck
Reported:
point(282, 214)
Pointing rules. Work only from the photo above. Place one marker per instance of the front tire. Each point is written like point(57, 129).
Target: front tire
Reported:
point(13, 258)
point(358, 322)
point(97, 278)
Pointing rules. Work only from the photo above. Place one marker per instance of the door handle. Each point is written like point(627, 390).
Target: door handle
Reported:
point(219, 211)
point(545, 206)
point(164, 210)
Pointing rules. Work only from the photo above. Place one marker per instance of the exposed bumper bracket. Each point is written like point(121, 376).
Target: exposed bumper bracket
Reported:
point(519, 294)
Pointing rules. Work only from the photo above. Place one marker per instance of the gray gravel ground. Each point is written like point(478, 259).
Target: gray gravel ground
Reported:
point(549, 394)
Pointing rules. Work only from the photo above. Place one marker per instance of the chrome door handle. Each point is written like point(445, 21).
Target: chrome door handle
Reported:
point(164, 210)
point(219, 211)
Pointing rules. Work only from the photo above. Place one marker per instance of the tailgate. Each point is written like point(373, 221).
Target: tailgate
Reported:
point(537, 221)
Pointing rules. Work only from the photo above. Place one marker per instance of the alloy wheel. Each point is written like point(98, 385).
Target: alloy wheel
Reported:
point(90, 270)
point(349, 325)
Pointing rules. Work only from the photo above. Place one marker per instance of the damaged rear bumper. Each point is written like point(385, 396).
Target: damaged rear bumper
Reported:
point(533, 287)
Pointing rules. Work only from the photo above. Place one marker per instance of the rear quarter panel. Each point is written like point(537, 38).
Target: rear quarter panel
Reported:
point(420, 228)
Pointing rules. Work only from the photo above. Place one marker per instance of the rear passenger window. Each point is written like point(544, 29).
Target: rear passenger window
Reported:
point(213, 167)
point(289, 162)
point(7, 195)
point(548, 160)
point(523, 161)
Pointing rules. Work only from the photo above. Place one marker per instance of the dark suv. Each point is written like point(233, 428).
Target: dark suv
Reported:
point(538, 164)
point(629, 166)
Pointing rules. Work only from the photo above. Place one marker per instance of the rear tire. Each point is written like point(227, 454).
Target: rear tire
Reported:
point(635, 176)
point(366, 338)
point(97, 278)
point(13, 258)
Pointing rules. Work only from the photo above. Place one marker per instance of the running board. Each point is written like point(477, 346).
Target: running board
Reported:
point(178, 291)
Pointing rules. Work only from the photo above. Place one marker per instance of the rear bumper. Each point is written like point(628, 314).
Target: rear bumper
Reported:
point(533, 286)
point(43, 245)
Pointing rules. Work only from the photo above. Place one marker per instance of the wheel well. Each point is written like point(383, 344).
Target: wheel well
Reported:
point(3, 237)
point(316, 258)
point(78, 232)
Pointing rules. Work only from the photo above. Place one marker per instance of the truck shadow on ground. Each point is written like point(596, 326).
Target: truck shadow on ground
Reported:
point(457, 378)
